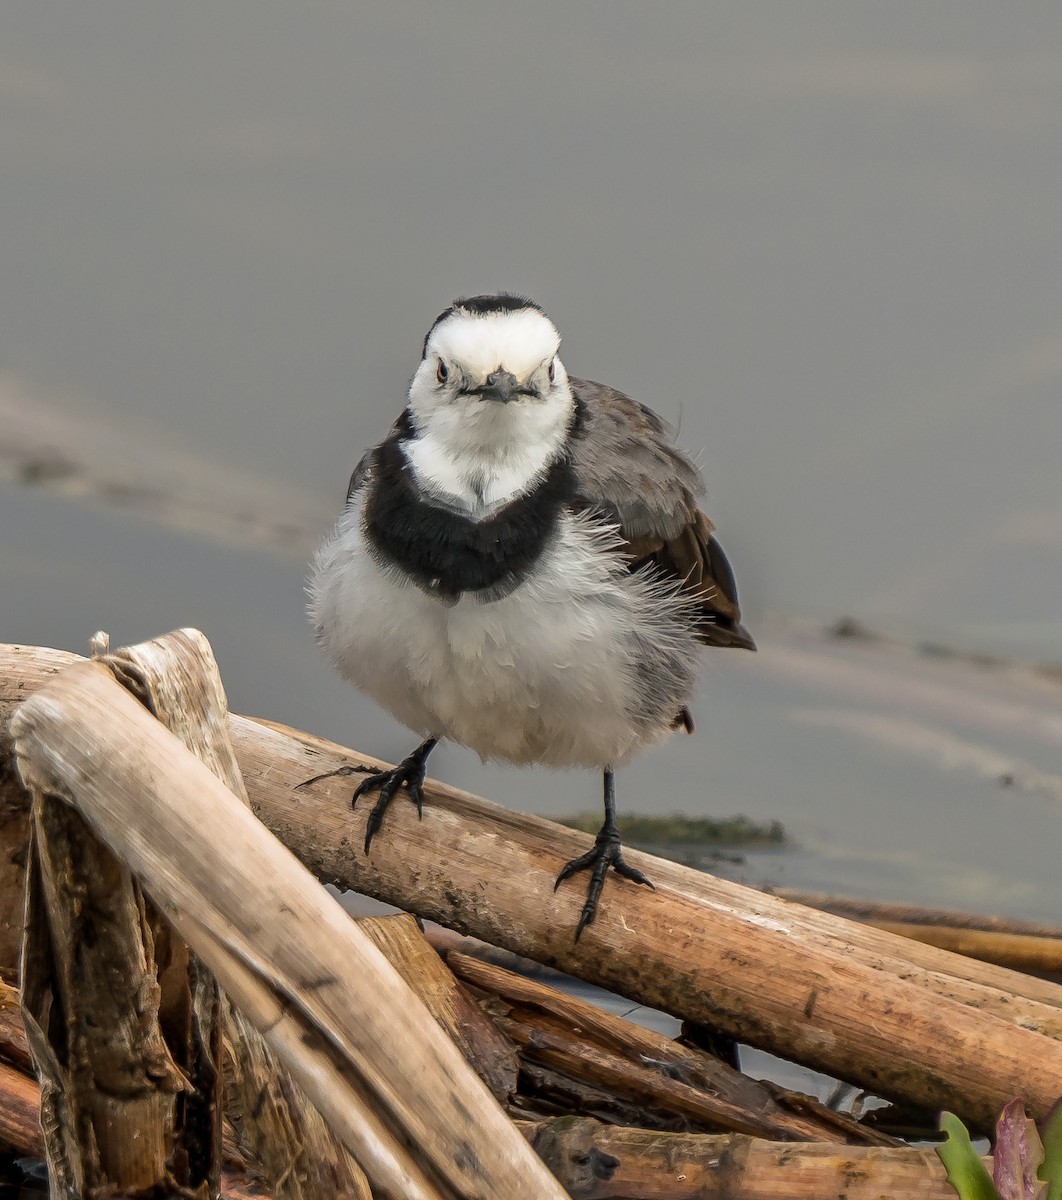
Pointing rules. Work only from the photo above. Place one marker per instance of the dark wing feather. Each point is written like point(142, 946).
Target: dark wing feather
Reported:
point(628, 469)
point(360, 476)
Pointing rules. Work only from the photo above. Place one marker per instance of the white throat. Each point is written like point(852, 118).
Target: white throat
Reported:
point(480, 454)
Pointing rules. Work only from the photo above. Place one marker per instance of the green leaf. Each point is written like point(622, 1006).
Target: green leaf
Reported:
point(1051, 1136)
point(966, 1171)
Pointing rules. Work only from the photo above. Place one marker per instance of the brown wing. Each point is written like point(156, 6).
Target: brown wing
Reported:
point(628, 469)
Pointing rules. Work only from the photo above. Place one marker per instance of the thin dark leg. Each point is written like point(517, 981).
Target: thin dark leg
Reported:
point(606, 853)
point(409, 772)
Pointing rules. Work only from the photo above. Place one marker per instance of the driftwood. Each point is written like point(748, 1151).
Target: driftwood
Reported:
point(605, 1162)
point(560, 1030)
point(490, 1054)
point(902, 1019)
point(20, 1129)
point(123, 1022)
point(91, 1003)
point(600, 1162)
point(1020, 945)
point(177, 679)
point(370, 1056)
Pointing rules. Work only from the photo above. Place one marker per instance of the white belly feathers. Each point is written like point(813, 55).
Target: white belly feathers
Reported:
point(583, 664)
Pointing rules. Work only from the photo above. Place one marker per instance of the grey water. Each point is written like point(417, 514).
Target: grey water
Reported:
point(823, 240)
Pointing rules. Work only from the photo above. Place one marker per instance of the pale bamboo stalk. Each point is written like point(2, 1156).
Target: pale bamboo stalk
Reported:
point(177, 679)
point(251, 911)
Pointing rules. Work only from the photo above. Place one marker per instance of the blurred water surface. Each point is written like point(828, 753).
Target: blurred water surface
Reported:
point(823, 240)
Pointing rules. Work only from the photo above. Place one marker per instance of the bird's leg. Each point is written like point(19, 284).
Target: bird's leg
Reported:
point(410, 772)
point(606, 853)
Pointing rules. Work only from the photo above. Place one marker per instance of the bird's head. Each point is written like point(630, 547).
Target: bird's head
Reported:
point(490, 361)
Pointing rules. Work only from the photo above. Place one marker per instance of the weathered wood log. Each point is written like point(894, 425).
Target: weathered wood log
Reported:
point(602, 1162)
point(1019, 951)
point(20, 1112)
point(177, 679)
point(608, 1162)
point(725, 1098)
point(551, 1044)
point(799, 983)
point(14, 1048)
point(904, 1020)
point(91, 1005)
point(1020, 945)
point(14, 841)
point(323, 995)
point(20, 1129)
point(487, 1052)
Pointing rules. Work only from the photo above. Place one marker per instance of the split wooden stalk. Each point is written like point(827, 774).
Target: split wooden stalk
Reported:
point(283, 950)
point(91, 1004)
point(177, 679)
point(904, 1020)
point(124, 1025)
point(490, 1054)
point(610, 1162)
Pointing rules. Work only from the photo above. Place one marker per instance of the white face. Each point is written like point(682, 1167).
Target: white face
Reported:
point(473, 446)
point(465, 349)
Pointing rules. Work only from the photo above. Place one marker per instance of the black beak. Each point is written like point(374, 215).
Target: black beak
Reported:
point(500, 386)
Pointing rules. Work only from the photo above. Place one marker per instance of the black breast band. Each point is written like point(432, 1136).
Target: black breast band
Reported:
point(443, 549)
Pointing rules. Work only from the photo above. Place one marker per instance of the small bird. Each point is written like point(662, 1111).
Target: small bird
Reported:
point(523, 568)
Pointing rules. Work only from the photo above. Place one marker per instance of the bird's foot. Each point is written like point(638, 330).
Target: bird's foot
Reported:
point(607, 852)
point(409, 773)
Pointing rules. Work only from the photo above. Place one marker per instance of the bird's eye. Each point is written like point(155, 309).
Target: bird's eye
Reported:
point(552, 370)
point(442, 373)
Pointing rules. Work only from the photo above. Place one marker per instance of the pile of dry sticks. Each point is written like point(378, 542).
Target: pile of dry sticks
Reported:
point(198, 1016)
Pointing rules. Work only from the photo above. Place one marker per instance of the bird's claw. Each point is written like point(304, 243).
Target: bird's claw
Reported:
point(409, 773)
point(346, 769)
point(607, 852)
